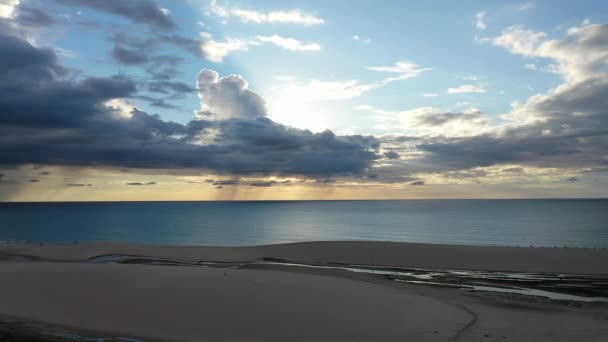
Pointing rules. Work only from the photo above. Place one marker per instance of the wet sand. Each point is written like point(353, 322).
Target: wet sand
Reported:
point(57, 286)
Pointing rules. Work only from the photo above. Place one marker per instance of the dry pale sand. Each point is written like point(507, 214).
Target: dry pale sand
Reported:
point(179, 303)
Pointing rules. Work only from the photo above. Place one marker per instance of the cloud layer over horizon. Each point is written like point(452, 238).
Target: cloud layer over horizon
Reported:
point(55, 114)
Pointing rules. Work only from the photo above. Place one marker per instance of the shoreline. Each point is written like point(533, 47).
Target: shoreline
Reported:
point(334, 200)
point(568, 260)
point(298, 291)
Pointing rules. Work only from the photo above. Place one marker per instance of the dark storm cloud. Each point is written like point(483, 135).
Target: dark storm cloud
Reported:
point(134, 51)
point(186, 44)
point(140, 11)
point(129, 57)
point(391, 155)
point(50, 117)
point(170, 87)
point(157, 102)
point(3, 180)
point(139, 183)
point(259, 184)
point(164, 74)
point(33, 17)
point(267, 184)
point(190, 45)
point(572, 132)
point(32, 93)
point(442, 118)
point(226, 182)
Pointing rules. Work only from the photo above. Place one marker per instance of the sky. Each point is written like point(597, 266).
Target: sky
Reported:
point(301, 100)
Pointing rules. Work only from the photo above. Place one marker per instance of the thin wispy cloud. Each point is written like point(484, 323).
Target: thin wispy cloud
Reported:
point(480, 20)
point(289, 43)
point(405, 69)
point(216, 51)
point(363, 40)
point(292, 16)
point(466, 88)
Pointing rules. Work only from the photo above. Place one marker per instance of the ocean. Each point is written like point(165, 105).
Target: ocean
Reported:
point(547, 223)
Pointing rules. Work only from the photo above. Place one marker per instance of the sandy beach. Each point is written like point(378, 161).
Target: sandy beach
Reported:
point(59, 288)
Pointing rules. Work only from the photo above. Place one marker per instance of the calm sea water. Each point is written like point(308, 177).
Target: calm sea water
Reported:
point(574, 223)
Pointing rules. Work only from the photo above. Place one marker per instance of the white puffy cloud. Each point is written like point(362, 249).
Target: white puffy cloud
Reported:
point(466, 88)
point(289, 43)
point(7, 7)
point(293, 16)
point(578, 57)
point(227, 97)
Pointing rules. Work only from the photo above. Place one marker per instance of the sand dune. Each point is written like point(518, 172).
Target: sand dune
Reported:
point(50, 284)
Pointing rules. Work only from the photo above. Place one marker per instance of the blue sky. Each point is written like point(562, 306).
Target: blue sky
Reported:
point(468, 98)
point(437, 35)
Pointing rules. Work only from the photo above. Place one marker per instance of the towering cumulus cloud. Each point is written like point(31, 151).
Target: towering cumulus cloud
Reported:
point(51, 115)
point(228, 97)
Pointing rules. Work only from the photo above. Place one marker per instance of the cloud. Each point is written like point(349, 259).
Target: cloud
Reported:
point(576, 57)
point(219, 184)
point(391, 155)
point(56, 118)
point(7, 7)
point(361, 39)
point(466, 88)
point(405, 69)
point(78, 185)
point(32, 17)
point(139, 183)
point(418, 183)
point(572, 179)
point(228, 97)
point(31, 75)
point(299, 96)
point(170, 87)
point(562, 129)
point(314, 90)
point(129, 57)
point(480, 20)
point(216, 51)
point(289, 43)
point(525, 6)
point(430, 94)
point(139, 11)
point(294, 16)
